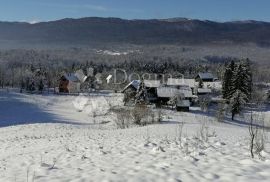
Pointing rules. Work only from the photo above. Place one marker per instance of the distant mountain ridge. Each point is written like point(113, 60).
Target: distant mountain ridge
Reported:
point(95, 30)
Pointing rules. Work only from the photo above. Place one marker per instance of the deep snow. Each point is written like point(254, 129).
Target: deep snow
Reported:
point(74, 138)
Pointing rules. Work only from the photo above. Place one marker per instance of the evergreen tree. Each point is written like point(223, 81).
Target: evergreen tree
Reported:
point(237, 101)
point(40, 86)
point(241, 81)
point(227, 80)
point(240, 89)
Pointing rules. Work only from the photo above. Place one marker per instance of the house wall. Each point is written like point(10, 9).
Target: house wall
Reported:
point(63, 86)
point(74, 87)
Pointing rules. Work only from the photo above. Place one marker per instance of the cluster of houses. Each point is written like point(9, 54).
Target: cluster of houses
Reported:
point(185, 91)
point(79, 81)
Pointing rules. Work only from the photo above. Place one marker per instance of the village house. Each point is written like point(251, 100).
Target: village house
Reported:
point(132, 86)
point(205, 77)
point(69, 83)
point(155, 92)
point(181, 83)
point(185, 91)
point(130, 92)
point(151, 90)
point(183, 96)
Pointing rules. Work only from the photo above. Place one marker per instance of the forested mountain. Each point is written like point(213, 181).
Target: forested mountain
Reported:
point(90, 31)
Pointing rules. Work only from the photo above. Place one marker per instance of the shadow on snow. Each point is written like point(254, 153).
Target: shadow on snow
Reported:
point(13, 111)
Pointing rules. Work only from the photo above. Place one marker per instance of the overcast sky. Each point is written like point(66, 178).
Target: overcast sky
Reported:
point(217, 10)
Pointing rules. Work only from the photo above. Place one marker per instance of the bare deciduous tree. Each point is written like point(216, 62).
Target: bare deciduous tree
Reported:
point(257, 136)
point(123, 119)
point(139, 113)
point(221, 110)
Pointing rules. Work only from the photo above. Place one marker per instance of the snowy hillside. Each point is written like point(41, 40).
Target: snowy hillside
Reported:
point(74, 138)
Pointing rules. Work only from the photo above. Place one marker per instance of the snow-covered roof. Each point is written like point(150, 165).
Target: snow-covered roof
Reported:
point(206, 75)
point(71, 77)
point(175, 82)
point(167, 92)
point(152, 83)
point(81, 76)
point(204, 90)
point(187, 93)
point(135, 84)
point(190, 82)
point(181, 82)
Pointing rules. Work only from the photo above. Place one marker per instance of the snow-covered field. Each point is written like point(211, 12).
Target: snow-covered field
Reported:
point(74, 138)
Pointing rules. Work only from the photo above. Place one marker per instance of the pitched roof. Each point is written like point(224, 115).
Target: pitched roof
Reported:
point(167, 92)
point(175, 82)
point(71, 77)
point(187, 93)
point(181, 82)
point(206, 75)
point(135, 84)
point(81, 76)
point(190, 82)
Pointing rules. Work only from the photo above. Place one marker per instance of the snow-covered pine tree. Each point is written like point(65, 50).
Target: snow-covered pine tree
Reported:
point(237, 101)
point(40, 86)
point(227, 80)
point(240, 90)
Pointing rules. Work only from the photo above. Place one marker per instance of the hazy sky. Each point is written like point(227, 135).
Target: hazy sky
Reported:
point(218, 10)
